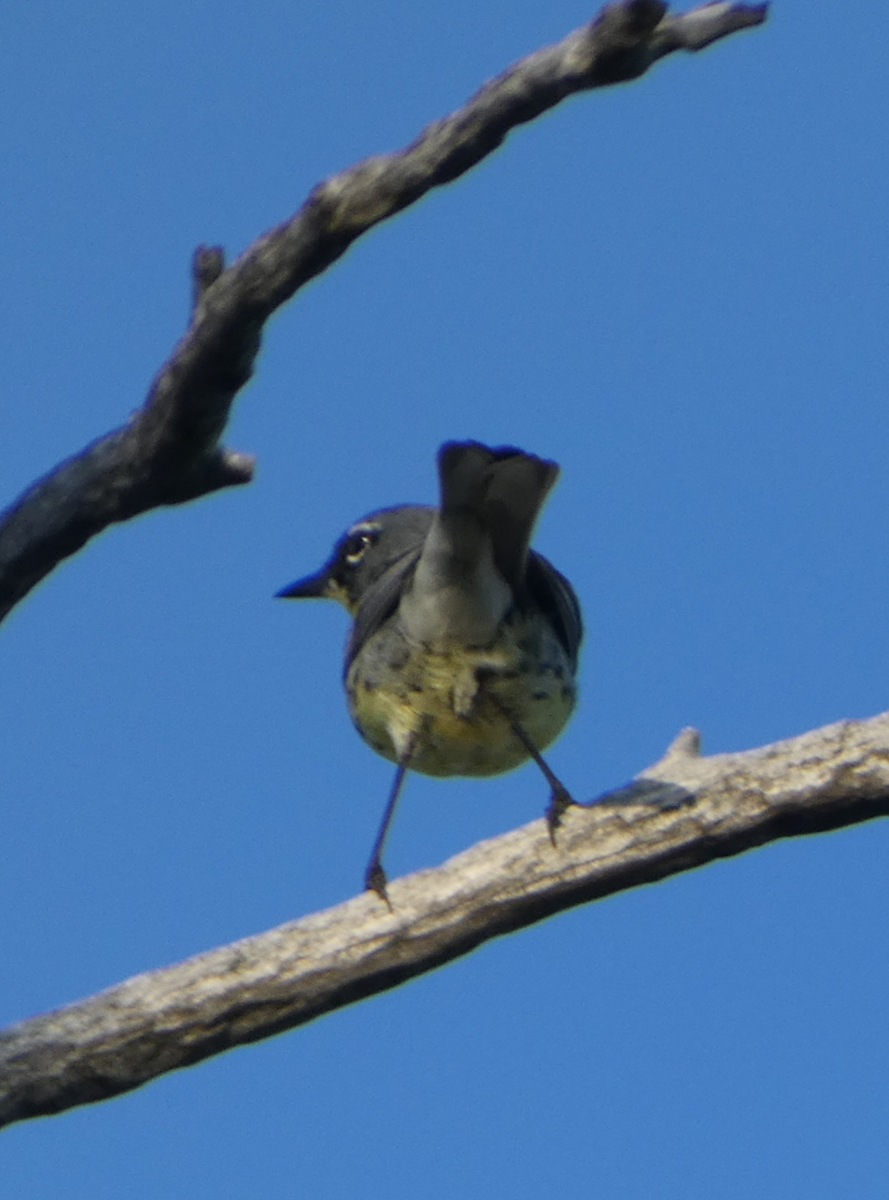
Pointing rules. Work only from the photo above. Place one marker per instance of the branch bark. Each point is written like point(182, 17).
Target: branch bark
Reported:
point(169, 451)
point(685, 811)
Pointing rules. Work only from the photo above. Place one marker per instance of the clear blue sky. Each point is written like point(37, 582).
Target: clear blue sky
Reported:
point(677, 289)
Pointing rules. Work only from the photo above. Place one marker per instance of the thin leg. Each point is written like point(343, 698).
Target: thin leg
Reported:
point(375, 876)
point(560, 798)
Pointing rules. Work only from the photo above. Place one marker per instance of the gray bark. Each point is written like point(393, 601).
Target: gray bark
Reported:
point(685, 811)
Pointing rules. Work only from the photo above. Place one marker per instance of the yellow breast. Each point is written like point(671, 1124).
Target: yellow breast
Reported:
point(451, 703)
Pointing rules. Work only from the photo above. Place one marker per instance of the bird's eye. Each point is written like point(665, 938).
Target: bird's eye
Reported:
point(357, 544)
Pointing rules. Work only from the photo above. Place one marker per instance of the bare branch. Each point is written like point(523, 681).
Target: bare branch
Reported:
point(169, 450)
point(683, 812)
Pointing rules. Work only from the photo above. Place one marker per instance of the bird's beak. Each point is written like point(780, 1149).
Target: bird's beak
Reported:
point(313, 587)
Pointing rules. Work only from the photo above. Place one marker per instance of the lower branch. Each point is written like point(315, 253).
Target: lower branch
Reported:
point(685, 811)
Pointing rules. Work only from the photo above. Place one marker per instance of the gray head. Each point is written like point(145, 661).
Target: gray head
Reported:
point(364, 554)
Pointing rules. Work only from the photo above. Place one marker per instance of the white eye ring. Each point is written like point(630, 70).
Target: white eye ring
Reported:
point(360, 538)
point(357, 554)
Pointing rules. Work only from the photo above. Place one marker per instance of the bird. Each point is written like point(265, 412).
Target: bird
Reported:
point(463, 651)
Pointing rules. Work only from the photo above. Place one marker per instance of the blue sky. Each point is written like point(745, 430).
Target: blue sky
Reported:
point(678, 290)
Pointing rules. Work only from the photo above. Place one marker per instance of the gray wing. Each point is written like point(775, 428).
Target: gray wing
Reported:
point(555, 597)
point(380, 603)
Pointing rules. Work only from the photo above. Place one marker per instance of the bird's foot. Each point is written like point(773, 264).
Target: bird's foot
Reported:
point(559, 802)
point(375, 881)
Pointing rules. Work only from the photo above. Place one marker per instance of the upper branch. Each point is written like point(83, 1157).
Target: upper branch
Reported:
point(169, 451)
point(685, 811)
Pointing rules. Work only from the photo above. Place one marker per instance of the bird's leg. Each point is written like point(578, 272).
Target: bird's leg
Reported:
point(375, 876)
point(560, 798)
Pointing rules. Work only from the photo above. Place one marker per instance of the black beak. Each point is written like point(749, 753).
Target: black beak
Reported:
point(313, 587)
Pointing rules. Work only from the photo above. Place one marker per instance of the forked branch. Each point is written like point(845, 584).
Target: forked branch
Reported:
point(170, 451)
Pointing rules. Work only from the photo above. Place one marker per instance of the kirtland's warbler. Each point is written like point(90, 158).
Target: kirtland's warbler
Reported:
point(462, 656)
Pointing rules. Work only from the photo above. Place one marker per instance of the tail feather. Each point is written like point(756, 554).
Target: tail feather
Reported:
point(504, 488)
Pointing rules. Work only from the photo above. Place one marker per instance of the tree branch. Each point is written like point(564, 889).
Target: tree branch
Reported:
point(685, 811)
point(169, 451)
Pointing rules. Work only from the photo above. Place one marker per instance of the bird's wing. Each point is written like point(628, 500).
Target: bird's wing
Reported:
point(554, 595)
point(380, 602)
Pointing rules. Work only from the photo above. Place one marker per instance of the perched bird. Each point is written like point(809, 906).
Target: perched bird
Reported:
point(463, 650)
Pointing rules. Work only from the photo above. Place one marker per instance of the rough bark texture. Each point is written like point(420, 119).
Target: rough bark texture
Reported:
point(169, 451)
point(685, 811)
